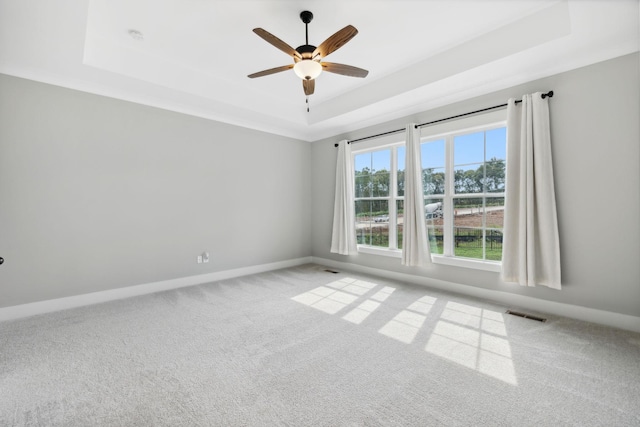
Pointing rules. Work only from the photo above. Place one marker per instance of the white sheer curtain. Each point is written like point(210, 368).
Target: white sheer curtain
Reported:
point(343, 239)
point(531, 247)
point(415, 250)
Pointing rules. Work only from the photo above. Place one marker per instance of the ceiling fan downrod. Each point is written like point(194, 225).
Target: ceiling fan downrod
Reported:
point(306, 49)
point(306, 17)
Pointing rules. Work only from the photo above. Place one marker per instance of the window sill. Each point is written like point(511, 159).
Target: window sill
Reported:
point(436, 259)
point(372, 250)
point(467, 263)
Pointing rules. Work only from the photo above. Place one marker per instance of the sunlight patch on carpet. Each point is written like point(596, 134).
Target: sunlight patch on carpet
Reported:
point(475, 338)
point(405, 325)
point(383, 294)
point(469, 336)
point(326, 299)
point(361, 312)
point(339, 294)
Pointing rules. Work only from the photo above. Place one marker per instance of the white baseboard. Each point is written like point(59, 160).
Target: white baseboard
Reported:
point(48, 306)
point(616, 320)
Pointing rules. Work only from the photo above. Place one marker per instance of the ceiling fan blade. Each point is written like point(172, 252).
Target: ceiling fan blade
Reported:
point(270, 38)
point(336, 41)
point(309, 86)
point(270, 71)
point(345, 70)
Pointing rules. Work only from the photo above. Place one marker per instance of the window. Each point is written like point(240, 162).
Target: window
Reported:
point(463, 175)
point(376, 197)
point(463, 179)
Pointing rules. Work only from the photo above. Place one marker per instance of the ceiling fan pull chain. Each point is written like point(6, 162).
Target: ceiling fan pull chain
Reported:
point(307, 103)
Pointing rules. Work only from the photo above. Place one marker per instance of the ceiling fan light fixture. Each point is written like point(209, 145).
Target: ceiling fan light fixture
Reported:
point(307, 69)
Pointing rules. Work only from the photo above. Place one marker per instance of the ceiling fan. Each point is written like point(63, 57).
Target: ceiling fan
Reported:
point(307, 58)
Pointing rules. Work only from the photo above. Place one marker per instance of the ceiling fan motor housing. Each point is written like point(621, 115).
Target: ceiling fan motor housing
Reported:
point(306, 51)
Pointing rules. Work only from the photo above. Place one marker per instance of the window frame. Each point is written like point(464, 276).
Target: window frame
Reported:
point(448, 256)
point(447, 131)
point(391, 198)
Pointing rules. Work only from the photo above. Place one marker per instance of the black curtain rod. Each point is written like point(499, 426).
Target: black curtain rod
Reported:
point(544, 95)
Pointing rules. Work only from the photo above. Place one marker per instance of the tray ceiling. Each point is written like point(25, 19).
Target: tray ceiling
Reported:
point(195, 55)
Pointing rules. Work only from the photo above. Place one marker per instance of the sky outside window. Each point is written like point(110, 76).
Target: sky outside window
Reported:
point(470, 148)
point(432, 154)
point(375, 161)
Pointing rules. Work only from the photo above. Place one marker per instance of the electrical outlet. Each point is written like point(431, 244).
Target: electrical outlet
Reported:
point(205, 257)
point(199, 259)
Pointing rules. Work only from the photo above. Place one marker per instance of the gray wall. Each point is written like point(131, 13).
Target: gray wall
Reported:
point(97, 193)
point(596, 147)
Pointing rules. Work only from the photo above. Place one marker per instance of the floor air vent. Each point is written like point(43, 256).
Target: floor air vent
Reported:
point(526, 316)
point(332, 271)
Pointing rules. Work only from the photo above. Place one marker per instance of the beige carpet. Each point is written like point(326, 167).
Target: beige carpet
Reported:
point(303, 347)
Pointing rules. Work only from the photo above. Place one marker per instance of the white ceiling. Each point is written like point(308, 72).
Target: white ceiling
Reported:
point(196, 54)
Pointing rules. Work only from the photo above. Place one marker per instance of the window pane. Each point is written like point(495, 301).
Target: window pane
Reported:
point(432, 154)
point(362, 163)
point(493, 247)
point(434, 212)
point(363, 222)
point(380, 210)
point(380, 183)
point(495, 223)
point(401, 168)
point(469, 179)
point(496, 144)
point(372, 222)
point(381, 160)
point(436, 239)
point(468, 148)
point(494, 176)
point(400, 224)
point(433, 181)
point(467, 212)
point(372, 174)
point(363, 186)
point(468, 242)
point(380, 224)
point(470, 218)
point(494, 212)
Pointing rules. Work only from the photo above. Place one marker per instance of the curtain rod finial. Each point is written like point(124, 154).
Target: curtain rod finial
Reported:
point(548, 94)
